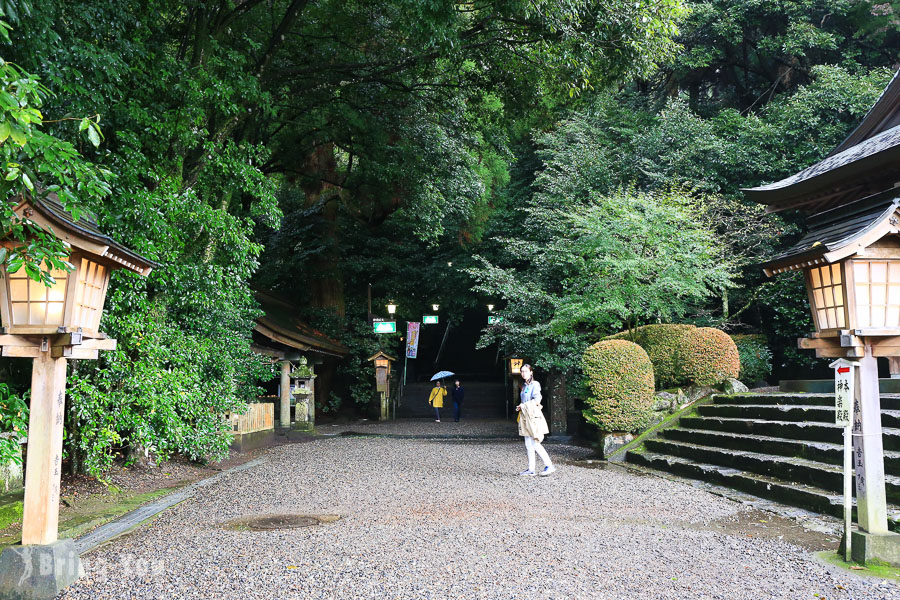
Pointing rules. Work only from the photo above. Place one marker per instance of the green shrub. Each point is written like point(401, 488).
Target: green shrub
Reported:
point(619, 375)
point(708, 357)
point(663, 345)
point(756, 358)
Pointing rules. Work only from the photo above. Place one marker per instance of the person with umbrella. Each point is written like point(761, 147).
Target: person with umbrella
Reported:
point(436, 398)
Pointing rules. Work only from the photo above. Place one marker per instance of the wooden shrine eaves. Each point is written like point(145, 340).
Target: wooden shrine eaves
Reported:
point(841, 232)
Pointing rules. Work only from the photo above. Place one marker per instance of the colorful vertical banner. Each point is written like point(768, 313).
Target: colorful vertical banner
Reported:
point(412, 339)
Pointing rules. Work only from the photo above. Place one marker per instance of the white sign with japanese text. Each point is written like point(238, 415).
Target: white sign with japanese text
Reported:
point(843, 391)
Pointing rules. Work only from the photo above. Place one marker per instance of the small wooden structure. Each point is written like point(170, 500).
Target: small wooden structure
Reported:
point(850, 258)
point(383, 362)
point(52, 324)
point(260, 416)
point(279, 334)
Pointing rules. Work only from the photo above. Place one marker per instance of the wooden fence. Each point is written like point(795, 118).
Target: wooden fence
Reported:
point(259, 417)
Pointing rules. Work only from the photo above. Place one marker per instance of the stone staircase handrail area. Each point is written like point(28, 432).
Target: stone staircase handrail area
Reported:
point(782, 447)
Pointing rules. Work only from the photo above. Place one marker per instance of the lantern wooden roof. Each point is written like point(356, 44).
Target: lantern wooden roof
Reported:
point(840, 232)
point(83, 234)
point(381, 354)
point(866, 163)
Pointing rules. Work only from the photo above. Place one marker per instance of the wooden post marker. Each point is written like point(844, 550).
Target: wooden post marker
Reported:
point(45, 435)
point(844, 392)
point(871, 502)
point(285, 416)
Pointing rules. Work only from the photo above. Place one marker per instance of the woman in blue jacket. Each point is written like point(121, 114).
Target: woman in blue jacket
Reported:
point(532, 425)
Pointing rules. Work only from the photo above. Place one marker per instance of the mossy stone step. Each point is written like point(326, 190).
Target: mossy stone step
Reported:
point(772, 488)
point(826, 452)
point(805, 413)
point(793, 469)
point(888, 401)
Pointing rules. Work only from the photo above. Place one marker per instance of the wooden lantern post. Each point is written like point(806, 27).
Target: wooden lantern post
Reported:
point(383, 362)
point(850, 258)
point(52, 325)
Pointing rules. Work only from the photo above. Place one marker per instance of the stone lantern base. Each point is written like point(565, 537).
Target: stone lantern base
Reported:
point(38, 572)
point(875, 548)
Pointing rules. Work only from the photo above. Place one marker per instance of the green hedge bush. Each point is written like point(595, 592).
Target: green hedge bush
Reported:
point(619, 375)
point(756, 358)
point(709, 356)
point(663, 345)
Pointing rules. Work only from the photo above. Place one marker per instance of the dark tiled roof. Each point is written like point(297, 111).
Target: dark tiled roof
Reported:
point(869, 148)
point(884, 115)
point(866, 161)
point(836, 228)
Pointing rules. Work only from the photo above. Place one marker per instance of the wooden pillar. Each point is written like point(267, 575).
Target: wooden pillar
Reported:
point(45, 435)
point(894, 364)
point(285, 393)
point(868, 451)
point(311, 399)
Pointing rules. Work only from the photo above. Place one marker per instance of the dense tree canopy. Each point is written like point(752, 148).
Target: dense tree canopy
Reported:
point(441, 151)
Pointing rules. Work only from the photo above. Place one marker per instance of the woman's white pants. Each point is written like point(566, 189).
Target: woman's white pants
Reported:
point(532, 446)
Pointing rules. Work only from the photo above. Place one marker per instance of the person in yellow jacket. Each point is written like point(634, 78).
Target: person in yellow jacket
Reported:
point(436, 399)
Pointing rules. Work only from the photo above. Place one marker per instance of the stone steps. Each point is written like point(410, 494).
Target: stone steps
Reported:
point(790, 468)
point(484, 400)
point(783, 447)
point(888, 401)
point(826, 452)
point(794, 412)
point(817, 432)
point(793, 493)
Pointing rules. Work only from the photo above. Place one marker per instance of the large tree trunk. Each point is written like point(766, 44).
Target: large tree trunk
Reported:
point(326, 283)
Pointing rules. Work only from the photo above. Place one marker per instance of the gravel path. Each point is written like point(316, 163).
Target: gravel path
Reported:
point(444, 519)
point(427, 427)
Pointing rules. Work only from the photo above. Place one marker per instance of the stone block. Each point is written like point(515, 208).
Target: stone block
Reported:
point(38, 572)
point(733, 386)
point(694, 393)
point(610, 442)
point(665, 401)
point(877, 548)
point(12, 475)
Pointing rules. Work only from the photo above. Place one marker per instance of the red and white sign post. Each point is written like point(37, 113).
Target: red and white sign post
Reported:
point(844, 392)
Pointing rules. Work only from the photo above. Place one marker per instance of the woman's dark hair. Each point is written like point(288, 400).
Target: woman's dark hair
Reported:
point(530, 368)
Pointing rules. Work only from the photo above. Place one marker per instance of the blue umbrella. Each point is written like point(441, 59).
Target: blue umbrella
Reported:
point(442, 374)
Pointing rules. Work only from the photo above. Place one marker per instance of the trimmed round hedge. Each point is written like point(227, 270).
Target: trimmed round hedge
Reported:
point(620, 377)
point(663, 344)
point(709, 356)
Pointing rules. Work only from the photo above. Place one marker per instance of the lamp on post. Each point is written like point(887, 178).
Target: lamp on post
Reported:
point(51, 324)
point(383, 362)
point(391, 308)
point(435, 307)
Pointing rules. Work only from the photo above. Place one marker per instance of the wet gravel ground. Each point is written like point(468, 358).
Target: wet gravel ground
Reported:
point(450, 519)
point(426, 428)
